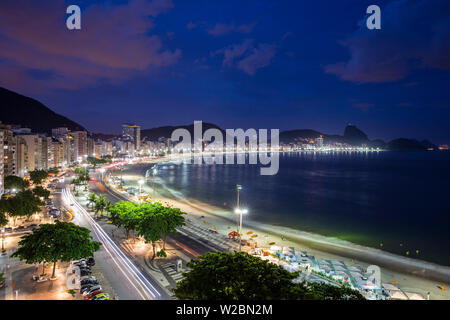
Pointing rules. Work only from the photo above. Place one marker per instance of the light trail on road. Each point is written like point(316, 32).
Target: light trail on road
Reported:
point(141, 284)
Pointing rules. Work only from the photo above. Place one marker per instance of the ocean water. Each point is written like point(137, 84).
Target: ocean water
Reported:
point(398, 202)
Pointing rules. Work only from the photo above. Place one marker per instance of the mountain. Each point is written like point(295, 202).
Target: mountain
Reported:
point(166, 131)
point(404, 144)
point(292, 135)
point(30, 113)
point(354, 136)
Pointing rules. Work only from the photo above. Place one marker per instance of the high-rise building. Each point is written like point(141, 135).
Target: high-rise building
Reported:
point(60, 132)
point(57, 154)
point(132, 133)
point(20, 157)
point(9, 147)
point(79, 145)
point(319, 142)
point(90, 148)
point(32, 154)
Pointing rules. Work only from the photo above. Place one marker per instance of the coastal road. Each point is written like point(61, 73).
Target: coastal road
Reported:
point(128, 281)
point(191, 245)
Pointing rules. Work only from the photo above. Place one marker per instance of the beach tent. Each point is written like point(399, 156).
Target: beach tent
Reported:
point(275, 248)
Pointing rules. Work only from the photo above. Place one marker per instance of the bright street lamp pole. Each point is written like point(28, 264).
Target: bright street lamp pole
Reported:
point(141, 182)
point(240, 212)
point(3, 240)
point(154, 172)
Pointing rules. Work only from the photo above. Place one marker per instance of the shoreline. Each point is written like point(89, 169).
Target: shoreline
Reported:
point(410, 274)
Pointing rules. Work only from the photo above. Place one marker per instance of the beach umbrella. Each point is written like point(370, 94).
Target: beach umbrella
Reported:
point(233, 234)
point(271, 244)
point(249, 232)
point(254, 236)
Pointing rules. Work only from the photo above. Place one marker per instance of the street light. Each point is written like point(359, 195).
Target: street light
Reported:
point(240, 212)
point(155, 172)
point(102, 171)
point(141, 182)
point(3, 240)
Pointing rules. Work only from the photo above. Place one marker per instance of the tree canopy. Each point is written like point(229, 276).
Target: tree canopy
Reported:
point(152, 221)
point(100, 205)
point(240, 276)
point(38, 175)
point(24, 203)
point(3, 218)
point(62, 241)
point(15, 182)
point(96, 161)
point(124, 214)
point(40, 191)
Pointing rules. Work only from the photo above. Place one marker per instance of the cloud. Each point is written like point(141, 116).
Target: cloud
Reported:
point(221, 29)
point(234, 51)
point(259, 58)
point(414, 35)
point(246, 57)
point(113, 44)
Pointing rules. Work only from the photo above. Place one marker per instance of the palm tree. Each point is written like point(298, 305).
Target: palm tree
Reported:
point(92, 198)
point(100, 204)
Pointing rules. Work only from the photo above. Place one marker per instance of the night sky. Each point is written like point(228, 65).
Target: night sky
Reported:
point(236, 63)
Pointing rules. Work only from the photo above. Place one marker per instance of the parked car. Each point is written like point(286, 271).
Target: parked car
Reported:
point(19, 228)
point(86, 287)
point(85, 272)
point(77, 261)
point(90, 262)
point(55, 212)
point(91, 290)
point(101, 296)
point(88, 281)
point(93, 294)
point(88, 277)
point(33, 225)
point(9, 229)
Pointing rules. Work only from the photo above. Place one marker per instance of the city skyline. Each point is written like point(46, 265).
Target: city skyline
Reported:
point(266, 65)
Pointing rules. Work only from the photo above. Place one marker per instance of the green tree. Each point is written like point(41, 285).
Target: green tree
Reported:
point(96, 161)
point(24, 203)
point(152, 225)
point(38, 175)
point(40, 191)
point(76, 183)
point(322, 291)
point(62, 241)
point(240, 276)
point(3, 211)
point(100, 205)
point(92, 198)
point(124, 214)
point(171, 219)
point(81, 171)
point(14, 182)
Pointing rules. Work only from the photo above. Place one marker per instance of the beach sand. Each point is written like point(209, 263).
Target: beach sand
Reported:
point(410, 275)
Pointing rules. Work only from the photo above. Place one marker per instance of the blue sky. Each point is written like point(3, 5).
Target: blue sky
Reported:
point(256, 63)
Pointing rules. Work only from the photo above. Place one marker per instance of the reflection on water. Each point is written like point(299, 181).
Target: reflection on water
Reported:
point(368, 198)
